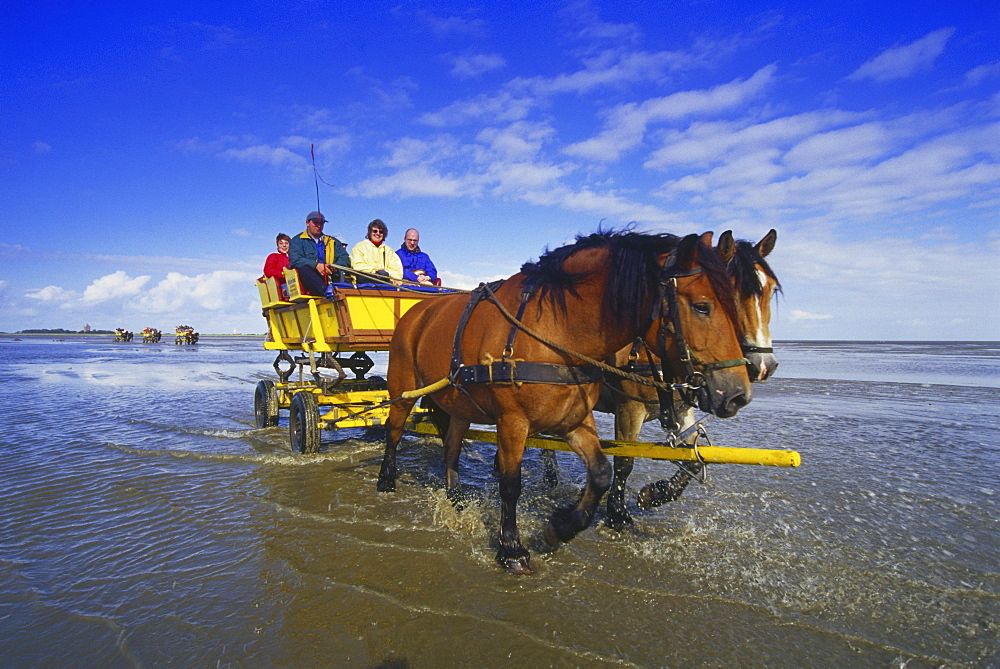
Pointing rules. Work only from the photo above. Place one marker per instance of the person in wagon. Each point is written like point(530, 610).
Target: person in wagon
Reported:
point(417, 265)
point(278, 261)
point(373, 255)
point(314, 255)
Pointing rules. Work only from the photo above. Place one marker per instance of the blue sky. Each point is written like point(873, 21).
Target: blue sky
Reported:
point(149, 154)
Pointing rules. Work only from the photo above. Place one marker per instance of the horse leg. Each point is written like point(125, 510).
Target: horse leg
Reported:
point(511, 555)
point(452, 450)
point(439, 417)
point(393, 433)
point(550, 468)
point(628, 421)
point(618, 514)
point(567, 523)
point(663, 491)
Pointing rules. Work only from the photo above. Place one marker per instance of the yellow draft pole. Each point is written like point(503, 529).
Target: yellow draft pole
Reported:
point(651, 450)
point(426, 390)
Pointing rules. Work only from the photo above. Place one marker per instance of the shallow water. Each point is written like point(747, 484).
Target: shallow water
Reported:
point(145, 522)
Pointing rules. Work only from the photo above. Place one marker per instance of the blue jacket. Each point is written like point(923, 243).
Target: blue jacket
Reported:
point(303, 252)
point(416, 260)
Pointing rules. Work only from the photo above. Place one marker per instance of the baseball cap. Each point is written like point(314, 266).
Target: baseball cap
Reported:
point(316, 216)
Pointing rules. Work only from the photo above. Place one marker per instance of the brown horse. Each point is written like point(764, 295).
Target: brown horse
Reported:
point(591, 297)
point(634, 404)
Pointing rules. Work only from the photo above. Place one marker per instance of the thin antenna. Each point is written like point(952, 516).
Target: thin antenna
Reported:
point(312, 151)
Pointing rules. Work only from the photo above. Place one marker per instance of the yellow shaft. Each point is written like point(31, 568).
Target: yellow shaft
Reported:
point(638, 449)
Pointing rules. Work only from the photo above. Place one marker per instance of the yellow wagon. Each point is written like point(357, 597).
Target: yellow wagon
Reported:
point(320, 339)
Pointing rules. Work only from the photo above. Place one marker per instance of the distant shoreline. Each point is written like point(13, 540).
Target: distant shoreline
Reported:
point(166, 335)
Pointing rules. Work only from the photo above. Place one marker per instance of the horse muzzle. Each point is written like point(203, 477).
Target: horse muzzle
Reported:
point(760, 366)
point(724, 399)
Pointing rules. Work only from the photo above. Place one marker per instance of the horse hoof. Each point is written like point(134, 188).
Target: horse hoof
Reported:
point(459, 498)
point(561, 527)
point(550, 536)
point(517, 566)
point(646, 499)
point(386, 485)
point(620, 522)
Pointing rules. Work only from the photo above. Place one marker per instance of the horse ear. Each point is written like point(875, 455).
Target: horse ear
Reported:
point(706, 239)
point(687, 252)
point(766, 245)
point(727, 246)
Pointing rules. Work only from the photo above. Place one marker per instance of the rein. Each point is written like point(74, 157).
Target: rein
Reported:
point(604, 367)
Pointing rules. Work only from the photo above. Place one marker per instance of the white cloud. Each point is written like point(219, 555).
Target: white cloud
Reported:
point(611, 68)
point(470, 66)
point(51, 294)
point(266, 154)
point(502, 107)
point(178, 292)
point(798, 315)
point(903, 61)
point(464, 281)
point(853, 145)
point(706, 142)
point(113, 286)
point(40, 147)
point(587, 26)
point(448, 26)
point(627, 123)
point(801, 166)
point(978, 75)
point(418, 181)
point(517, 141)
point(409, 151)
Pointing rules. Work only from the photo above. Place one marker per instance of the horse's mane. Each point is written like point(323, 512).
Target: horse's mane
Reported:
point(742, 267)
point(633, 273)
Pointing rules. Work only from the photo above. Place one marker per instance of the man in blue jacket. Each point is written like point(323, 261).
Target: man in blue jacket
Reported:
point(417, 265)
point(313, 254)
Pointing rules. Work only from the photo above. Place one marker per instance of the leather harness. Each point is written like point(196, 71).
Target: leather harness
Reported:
point(508, 370)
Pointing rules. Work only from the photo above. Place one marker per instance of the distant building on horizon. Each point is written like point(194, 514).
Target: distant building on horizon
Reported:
point(86, 328)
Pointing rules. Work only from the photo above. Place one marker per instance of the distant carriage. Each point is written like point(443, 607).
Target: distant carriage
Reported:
point(121, 334)
point(151, 336)
point(185, 334)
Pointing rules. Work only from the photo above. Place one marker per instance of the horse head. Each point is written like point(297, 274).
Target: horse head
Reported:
point(755, 284)
point(696, 328)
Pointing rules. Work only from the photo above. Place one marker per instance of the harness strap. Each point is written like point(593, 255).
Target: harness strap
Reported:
point(526, 291)
point(475, 297)
point(523, 371)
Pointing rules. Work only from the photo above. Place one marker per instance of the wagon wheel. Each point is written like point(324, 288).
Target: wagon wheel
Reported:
point(265, 404)
point(303, 422)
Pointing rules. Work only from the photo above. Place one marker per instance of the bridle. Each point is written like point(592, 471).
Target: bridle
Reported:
point(695, 387)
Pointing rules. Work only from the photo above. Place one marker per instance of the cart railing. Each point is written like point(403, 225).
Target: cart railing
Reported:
point(355, 316)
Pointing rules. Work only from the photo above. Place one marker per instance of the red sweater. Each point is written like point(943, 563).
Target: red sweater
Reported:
point(274, 265)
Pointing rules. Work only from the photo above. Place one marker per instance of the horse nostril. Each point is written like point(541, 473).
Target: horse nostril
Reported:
point(741, 400)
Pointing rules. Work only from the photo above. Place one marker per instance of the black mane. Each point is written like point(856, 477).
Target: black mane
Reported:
point(633, 276)
point(742, 267)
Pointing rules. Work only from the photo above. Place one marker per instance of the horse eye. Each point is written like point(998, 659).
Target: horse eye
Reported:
point(703, 308)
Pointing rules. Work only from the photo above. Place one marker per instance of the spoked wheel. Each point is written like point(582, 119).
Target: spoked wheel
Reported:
point(265, 404)
point(303, 422)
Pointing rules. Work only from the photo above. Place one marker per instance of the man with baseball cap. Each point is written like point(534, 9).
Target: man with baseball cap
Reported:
point(313, 254)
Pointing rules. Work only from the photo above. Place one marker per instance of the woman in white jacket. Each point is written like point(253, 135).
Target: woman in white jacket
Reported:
point(374, 256)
